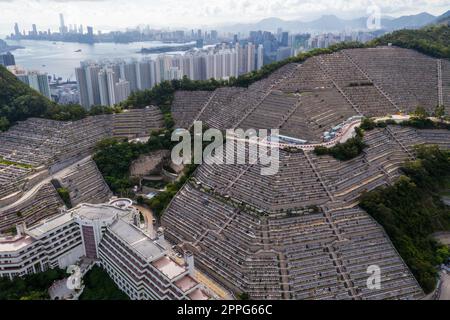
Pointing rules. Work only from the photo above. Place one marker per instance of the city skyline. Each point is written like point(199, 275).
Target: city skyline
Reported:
point(215, 14)
point(109, 83)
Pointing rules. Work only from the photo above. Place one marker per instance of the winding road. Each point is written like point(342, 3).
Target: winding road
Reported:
point(31, 192)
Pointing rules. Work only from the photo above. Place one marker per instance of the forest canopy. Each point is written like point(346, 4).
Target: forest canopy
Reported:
point(432, 40)
point(411, 210)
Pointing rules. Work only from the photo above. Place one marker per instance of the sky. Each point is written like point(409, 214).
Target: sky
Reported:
point(119, 14)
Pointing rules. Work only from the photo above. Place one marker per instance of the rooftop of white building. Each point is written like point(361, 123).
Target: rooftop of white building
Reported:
point(186, 283)
point(148, 248)
point(49, 224)
point(168, 267)
point(11, 244)
point(198, 294)
point(87, 211)
point(93, 212)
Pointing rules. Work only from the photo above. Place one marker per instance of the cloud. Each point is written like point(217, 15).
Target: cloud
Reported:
point(76, 0)
point(194, 13)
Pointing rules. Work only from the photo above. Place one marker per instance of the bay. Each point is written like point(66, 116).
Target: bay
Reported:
point(61, 58)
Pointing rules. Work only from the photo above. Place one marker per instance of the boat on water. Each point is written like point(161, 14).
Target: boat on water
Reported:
point(79, 50)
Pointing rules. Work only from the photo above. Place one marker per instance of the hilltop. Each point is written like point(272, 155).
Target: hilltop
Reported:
point(444, 19)
point(432, 40)
point(19, 102)
point(330, 23)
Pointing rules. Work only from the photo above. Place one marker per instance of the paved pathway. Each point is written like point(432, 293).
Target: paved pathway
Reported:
point(31, 192)
point(148, 217)
point(445, 287)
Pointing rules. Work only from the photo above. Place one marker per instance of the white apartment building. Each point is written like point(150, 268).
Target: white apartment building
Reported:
point(35, 79)
point(122, 90)
point(260, 57)
point(96, 81)
point(142, 265)
point(112, 91)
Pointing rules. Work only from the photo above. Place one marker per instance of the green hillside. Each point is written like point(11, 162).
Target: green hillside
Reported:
point(19, 102)
point(433, 40)
point(411, 210)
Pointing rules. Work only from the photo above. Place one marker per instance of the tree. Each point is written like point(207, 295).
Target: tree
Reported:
point(410, 211)
point(439, 112)
point(35, 295)
point(421, 113)
point(99, 286)
point(4, 124)
point(96, 110)
point(65, 196)
point(321, 151)
point(29, 287)
point(443, 254)
point(368, 124)
point(243, 296)
point(344, 151)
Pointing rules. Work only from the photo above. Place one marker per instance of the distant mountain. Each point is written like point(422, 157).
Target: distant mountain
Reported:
point(331, 23)
point(443, 19)
point(409, 22)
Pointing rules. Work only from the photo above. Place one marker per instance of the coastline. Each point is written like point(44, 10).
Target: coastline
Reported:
point(10, 48)
point(166, 49)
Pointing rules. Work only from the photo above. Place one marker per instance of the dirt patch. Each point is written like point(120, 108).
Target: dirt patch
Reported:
point(442, 237)
point(149, 163)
